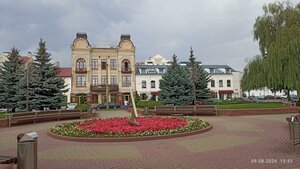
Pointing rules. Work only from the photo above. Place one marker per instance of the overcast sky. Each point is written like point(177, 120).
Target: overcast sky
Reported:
point(220, 32)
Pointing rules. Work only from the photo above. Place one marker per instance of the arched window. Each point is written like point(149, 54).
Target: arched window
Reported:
point(126, 65)
point(152, 84)
point(228, 83)
point(212, 83)
point(220, 83)
point(144, 84)
point(80, 64)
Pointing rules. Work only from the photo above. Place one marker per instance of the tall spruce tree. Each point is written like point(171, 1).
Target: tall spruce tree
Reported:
point(199, 78)
point(26, 87)
point(175, 88)
point(10, 73)
point(48, 89)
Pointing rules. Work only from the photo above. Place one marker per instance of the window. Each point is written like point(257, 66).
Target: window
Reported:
point(126, 81)
point(228, 70)
point(144, 84)
point(95, 98)
point(152, 84)
point(228, 83)
point(211, 70)
point(94, 80)
point(80, 81)
point(161, 71)
point(126, 65)
point(103, 64)
point(212, 83)
point(94, 64)
point(151, 71)
point(143, 71)
point(113, 98)
point(113, 64)
point(220, 83)
point(80, 64)
point(103, 80)
point(113, 80)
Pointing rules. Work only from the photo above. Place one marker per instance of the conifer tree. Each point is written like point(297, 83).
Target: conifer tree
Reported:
point(10, 73)
point(26, 87)
point(199, 78)
point(175, 88)
point(48, 89)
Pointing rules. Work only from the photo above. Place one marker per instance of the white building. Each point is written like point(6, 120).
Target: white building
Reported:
point(66, 75)
point(225, 81)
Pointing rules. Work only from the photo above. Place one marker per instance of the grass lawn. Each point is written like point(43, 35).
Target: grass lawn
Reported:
point(251, 106)
point(2, 115)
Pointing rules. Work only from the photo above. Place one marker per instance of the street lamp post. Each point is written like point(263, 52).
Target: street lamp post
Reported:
point(107, 86)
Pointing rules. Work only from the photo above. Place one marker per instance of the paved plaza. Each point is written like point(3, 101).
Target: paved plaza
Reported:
point(260, 141)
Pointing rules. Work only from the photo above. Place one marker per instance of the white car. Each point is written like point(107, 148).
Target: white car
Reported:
point(71, 106)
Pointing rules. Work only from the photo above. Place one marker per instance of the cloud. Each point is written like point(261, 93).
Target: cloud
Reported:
point(219, 31)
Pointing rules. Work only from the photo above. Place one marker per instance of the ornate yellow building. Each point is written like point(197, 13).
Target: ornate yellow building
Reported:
point(100, 70)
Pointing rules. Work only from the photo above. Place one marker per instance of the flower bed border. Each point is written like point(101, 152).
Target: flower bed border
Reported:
point(128, 139)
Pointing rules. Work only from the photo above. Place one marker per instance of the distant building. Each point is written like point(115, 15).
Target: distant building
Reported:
point(66, 75)
point(225, 81)
point(95, 68)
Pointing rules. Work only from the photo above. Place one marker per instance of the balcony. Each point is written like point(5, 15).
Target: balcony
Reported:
point(81, 70)
point(126, 70)
point(102, 88)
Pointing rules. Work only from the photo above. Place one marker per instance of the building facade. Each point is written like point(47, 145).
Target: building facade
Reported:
point(66, 75)
point(102, 74)
point(224, 84)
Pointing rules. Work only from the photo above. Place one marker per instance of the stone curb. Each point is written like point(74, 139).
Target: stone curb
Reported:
point(127, 139)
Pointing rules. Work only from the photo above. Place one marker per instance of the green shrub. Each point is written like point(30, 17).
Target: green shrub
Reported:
point(83, 107)
point(150, 104)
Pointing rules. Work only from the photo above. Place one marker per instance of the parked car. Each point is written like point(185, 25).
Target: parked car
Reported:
point(111, 105)
point(71, 106)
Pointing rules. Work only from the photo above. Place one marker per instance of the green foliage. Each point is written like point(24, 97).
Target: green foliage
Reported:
point(84, 107)
point(277, 32)
point(174, 86)
point(199, 78)
point(48, 89)
point(137, 98)
point(150, 104)
point(3, 115)
point(250, 105)
point(10, 75)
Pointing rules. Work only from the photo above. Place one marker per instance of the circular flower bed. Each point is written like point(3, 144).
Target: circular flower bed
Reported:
point(120, 127)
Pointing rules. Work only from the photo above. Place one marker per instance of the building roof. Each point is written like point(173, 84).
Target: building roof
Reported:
point(217, 67)
point(64, 72)
point(24, 59)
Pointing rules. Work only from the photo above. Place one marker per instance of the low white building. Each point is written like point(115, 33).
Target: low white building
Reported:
point(225, 81)
point(66, 75)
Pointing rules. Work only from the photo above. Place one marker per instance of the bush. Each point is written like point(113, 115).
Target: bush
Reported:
point(150, 104)
point(83, 107)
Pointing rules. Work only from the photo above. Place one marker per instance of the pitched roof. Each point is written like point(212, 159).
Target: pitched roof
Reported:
point(64, 72)
point(24, 59)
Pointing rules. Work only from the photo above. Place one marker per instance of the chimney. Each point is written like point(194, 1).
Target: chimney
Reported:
point(81, 35)
point(57, 65)
point(125, 37)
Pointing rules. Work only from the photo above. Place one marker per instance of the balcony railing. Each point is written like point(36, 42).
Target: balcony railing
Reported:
point(126, 70)
point(102, 88)
point(81, 70)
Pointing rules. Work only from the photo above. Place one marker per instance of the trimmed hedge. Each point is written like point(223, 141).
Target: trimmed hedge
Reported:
point(150, 104)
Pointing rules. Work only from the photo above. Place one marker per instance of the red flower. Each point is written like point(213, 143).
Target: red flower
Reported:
point(122, 126)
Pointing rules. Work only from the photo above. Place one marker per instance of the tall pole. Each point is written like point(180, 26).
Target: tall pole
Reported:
point(107, 87)
point(27, 85)
point(134, 114)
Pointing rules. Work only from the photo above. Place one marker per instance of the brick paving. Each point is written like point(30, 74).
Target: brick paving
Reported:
point(260, 141)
